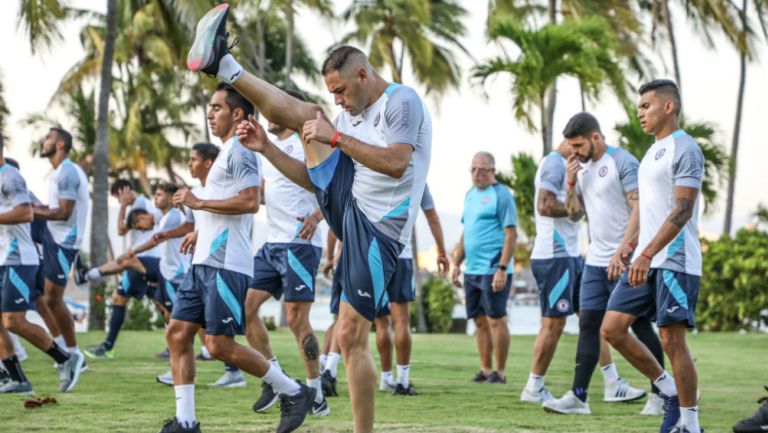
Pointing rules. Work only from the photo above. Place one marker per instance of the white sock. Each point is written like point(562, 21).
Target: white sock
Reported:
point(60, 341)
point(610, 374)
point(332, 364)
point(73, 349)
point(205, 352)
point(274, 362)
point(323, 358)
point(535, 383)
point(185, 405)
point(281, 383)
point(403, 373)
point(689, 417)
point(386, 377)
point(318, 385)
point(93, 274)
point(229, 69)
point(666, 384)
point(17, 347)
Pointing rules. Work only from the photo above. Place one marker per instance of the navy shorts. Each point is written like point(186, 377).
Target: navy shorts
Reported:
point(401, 288)
point(39, 287)
point(214, 298)
point(558, 280)
point(335, 294)
point(165, 293)
point(668, 296)
point(596, 288)
point(288, 268)
point(17, 287)
point(368, 257)
point(57, 260)
point(480, 298)
point(137, 285)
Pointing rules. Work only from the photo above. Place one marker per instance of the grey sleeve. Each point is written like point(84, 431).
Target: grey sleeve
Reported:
point(245, 168)
point(174, 219)
point(190, 216)
point(427, 203)
point(626, 165)
point(33, 198)
point(403, 116)
point(552, 173)
point(15, 188)
point(68, 182)
point(688, 164)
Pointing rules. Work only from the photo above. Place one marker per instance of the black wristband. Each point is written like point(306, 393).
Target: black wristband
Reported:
point(503, 267)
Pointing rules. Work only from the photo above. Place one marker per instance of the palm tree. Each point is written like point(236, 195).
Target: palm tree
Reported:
point(41, 20)
point(584, 50)
point(3, 108)
point(522, 182)
point(288, 9)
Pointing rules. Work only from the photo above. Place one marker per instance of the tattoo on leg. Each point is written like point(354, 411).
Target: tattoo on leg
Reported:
point(310, 346)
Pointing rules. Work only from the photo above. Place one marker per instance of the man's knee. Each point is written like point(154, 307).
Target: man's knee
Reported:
point(481, 322)
point(613, 332)
point(13, 322)
point(673, 338)
point(401, 317)
point(177, 334)
point(497, 323)
point(220, 346)
point(553, 325)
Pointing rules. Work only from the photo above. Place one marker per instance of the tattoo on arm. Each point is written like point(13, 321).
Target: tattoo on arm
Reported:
point(310, 346)
point(682, 211)
point(549, 206)
point(632, 198)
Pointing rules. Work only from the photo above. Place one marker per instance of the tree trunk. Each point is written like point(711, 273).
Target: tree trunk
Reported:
point(204, 106)
point(543, 110)
point(100, 210)
point(583, 99)
point(672, 42)
point(289, 45)
point(736, 130)
point(550, 117)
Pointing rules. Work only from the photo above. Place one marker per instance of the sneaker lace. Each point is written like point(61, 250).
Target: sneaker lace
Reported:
point(233, 43)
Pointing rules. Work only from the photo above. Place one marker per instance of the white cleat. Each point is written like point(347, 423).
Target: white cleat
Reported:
point(165, 379)
point(621, 392)
point(654, 406)
point(230, 379)
point(386, 386)
point(568, 404)
point(540, 396)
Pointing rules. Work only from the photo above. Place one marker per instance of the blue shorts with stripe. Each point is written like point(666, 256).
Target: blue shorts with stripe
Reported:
point(558, 280)
point(286, 268)
point(480, 298)
point(596, 288)
point(401, 287)
point(214, 298)
point(335, 294)
point(134, 284)
point(668, 296)
point(57, 260)
point(17, 287)
point(165, 293)
point(369, 257)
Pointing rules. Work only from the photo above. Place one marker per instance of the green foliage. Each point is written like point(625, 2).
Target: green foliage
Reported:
point(522, 182)
point(142, 316)
point(734, 287)
point(41, 21)
point(3, 109)
point(439, 299)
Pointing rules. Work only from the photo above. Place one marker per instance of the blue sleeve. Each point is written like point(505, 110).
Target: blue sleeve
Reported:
point(15, 188)
point(626, 165)
point(427, 203)
point(68, 182)
point(552, 173)
point(245, 168)
point(506, 210)
point(403, 116)
point(465, 205)
point(688, 165)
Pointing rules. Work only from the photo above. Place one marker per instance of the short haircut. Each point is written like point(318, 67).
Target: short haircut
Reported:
point(667, 88)
point(488, 156)
point(581, 125)
point(64, 136)
point(119, 184)
point(12, 162)
point(133, 217)
point(168, 187)
point(207, 151)
point(338, 58)
point(235, 99)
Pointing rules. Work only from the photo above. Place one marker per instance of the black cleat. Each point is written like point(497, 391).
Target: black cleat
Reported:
point(757, 423)
point(210, 44)
point(328, 383)
point(401, 390)
point(268, 398)
point(496, 378)
point(173, 426)
point(4, 376)
point(164, 354)
point(480, 377)
point(294, 408)
point(320, 409)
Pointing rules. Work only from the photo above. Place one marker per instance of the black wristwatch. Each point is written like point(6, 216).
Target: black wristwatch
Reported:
point(503, 267)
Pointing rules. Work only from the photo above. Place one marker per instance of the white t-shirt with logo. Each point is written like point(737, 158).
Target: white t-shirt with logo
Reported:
point(173, 264)
point(139, 237)
point(16, 246)
point(68, 181)
point(555, 237)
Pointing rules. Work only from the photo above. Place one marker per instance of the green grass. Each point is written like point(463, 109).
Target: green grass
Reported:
point(120, 395)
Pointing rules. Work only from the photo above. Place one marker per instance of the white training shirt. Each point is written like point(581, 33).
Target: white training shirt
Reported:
point(173, 264)
point(224, 241)
point(427, 203)
point(139, 237)
point(68, 181)
point(285, 201)
point(671, 162)
point(555, 237)
point(16, 246)
point(603, 185)
point(398, 116)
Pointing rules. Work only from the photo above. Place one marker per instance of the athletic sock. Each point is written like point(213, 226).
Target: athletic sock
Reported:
point(17, 347)
point(666, 384)
point(229, 368)
point(281, 383)
point(610, 373)
point(185, 405)
point(274, 362)
point(689, 417)
point(58, 355)
point(535, 383)
point(13, 367)
point(73, 349)
point(60, 341)
point(580, 393)
point(115, 323)
point(93, 274)
point(386, 377)
point(229, 69)
point(587, 351)
point(332, 364)
point(321, 360)
point(403, 373)
point(205, 352)
point(318, 385)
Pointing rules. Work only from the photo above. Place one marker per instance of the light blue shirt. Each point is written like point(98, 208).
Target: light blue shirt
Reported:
point(487, 213)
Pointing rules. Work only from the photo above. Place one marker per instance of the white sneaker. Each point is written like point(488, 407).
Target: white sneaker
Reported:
point(230, 379)
point(568, 404)
point(620, 391)
point(539, 396)
point(386, 386)
point(654, 406)
point(165, 379)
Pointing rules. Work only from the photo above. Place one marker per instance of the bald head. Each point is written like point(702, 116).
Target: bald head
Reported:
point(486, 157)
point(346, 60)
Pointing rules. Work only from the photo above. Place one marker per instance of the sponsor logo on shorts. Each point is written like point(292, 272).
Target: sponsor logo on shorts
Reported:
point(603, 171)
point(300, 287)
point(673, 309)
point(61, 276)
point(660, 153)
point(363, 294)
point(563, 305)
point(18, 301)
point(227, 320)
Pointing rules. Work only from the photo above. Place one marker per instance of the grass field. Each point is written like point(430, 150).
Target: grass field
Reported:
point(120, 395)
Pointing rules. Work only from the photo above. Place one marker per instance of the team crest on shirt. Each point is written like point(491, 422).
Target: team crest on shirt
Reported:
point(603, 171)
point(563, 305)
point(288, 148)
point(660, 153)
point(485, 200)
point(377, 119)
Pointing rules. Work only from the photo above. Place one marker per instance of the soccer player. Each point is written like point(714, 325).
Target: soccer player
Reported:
point(331, 350)
point(65, 214)
point(368, 170)
point(213, 292)
point(602, 184)
point(286, 265)
point(555, 264)
point(666, 264)
point(488, 245)
point(18, 268)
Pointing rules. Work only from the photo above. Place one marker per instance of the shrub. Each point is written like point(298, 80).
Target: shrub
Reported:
point(142, 316)
point(439, 300)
